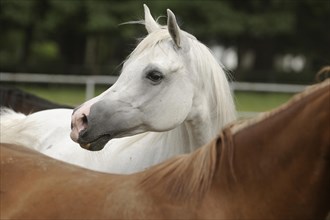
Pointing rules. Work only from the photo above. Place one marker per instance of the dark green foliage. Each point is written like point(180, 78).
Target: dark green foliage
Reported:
point(85, 37)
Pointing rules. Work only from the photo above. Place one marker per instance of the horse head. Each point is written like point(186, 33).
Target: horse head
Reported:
point(156, 91)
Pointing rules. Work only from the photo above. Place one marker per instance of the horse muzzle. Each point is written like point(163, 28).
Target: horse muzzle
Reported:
point(95, 144)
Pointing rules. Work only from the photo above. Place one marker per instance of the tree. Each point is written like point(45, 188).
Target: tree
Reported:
point(85, 36)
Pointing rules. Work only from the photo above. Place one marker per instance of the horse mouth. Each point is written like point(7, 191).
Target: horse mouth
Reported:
point(97, 144)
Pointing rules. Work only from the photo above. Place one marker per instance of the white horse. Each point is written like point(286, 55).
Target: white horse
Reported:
point(171, 98)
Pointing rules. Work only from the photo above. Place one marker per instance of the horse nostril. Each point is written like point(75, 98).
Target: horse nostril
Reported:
point(79, 124)
point(84, 119)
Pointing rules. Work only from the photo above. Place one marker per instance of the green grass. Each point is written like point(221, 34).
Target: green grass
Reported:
point(259, 101)
point(75, 95)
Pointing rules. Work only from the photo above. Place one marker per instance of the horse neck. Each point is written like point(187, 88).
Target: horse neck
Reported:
point(182, 139)
point(284, 156)
point(213, 94)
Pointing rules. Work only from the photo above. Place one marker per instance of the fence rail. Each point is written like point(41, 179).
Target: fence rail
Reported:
point(91, 81)
point(88, 81)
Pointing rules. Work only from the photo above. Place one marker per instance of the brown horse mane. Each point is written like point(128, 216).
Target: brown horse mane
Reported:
point(323, 74)
point(188, 177)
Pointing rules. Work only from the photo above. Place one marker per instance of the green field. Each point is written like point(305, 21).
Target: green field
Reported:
point(259, 101)
point(75, 95)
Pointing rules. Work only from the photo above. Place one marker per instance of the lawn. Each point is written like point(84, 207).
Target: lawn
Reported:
point(259, 101)
point(75, 95)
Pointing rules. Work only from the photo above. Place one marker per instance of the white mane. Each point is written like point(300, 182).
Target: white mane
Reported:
point(214, 80)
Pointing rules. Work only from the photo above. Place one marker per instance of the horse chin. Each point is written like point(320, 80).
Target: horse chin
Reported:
point(97, 144)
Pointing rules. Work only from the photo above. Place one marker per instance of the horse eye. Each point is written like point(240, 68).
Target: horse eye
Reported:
point(155, 76)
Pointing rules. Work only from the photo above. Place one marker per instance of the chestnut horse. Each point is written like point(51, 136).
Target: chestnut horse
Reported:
point(275, 166)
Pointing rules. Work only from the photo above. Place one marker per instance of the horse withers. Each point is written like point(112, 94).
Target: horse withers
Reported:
point(275, 166)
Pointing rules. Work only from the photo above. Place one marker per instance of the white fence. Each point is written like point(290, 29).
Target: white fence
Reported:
point(91, 81)
point(88, 81)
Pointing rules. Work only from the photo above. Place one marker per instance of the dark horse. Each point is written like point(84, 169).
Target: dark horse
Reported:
point(24, 102)
point(275, 166)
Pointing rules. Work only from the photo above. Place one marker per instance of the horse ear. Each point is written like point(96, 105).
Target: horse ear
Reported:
point(173, 28)
point(150, 23)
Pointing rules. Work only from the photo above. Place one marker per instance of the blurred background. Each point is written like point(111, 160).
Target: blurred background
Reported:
point(274, 41)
